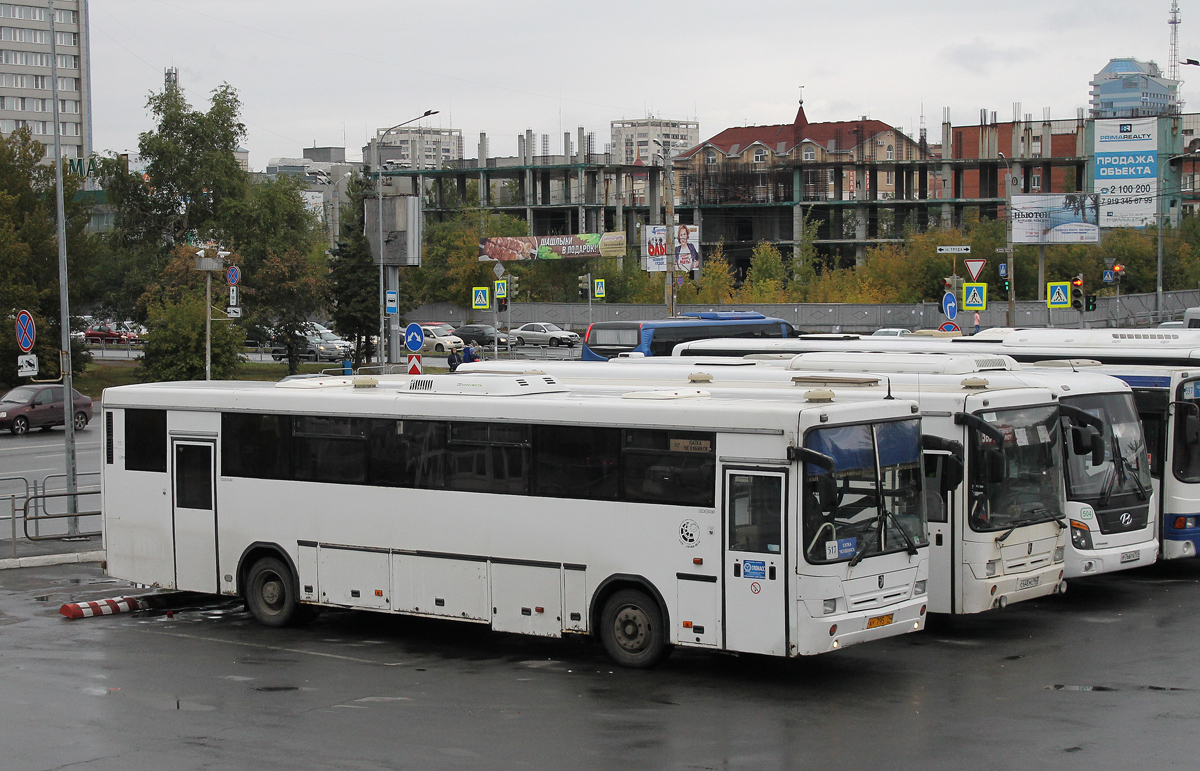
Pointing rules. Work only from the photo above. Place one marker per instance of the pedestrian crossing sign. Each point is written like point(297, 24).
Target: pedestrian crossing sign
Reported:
point(974, 297)
point(1058, 294)
point(479, 298)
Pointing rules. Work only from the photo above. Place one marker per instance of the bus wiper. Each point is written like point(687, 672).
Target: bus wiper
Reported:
point(1121, 468)
point(1038, 515)
point(858, 556)
point(912, 545)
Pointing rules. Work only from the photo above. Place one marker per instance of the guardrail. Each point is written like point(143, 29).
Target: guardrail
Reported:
point(37, 519)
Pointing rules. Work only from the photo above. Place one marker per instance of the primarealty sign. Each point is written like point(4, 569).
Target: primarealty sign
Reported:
point(1126, 171)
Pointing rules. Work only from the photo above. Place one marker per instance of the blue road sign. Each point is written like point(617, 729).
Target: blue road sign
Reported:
point(949, 326)
point(949, 306)
point(233, 274)
point(1058, 294)
point(391, 304)
point(1108, 276)
point(26, 332)
point(974, 297)
point(414, 337)
point(1003, 269)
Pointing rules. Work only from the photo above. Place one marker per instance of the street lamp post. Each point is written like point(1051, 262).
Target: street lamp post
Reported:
point(669, 185)
point(382, 350)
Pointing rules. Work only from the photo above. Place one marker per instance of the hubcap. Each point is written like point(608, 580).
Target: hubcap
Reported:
point(632, 628)
point(272, 593)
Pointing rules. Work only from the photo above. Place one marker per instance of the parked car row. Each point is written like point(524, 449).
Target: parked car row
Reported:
point(320, 344)
point(114, 333)
point(441, 337)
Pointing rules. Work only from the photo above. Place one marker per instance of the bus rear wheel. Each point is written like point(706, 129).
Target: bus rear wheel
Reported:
point(632, 630)
point(271, 594)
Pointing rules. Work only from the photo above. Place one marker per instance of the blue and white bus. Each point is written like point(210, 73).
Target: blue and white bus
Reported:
point(607, 339)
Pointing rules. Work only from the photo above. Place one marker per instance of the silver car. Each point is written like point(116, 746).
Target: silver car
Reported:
point(544, 333)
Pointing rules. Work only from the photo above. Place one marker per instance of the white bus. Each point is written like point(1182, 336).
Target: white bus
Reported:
point(995, 540)
point(648, 519)
point(1126, 353)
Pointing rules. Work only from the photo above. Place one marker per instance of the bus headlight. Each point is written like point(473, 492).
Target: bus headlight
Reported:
point(1059, 553)
point(1081, 537)
point(919, 587)
point(830, 606)
point(990, 570)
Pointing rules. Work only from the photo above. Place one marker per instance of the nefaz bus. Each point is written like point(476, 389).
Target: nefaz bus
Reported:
point(649, 518)
point(606, 339)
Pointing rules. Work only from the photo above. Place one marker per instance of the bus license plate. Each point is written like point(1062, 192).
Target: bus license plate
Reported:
point(879, 621)
point(1130, 556)
point(1028, 583)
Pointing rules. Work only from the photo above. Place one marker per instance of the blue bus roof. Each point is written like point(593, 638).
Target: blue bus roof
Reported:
point(725, 315)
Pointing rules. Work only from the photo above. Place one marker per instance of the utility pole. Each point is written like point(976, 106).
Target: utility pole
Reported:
point(64, 305)
point(669, 172)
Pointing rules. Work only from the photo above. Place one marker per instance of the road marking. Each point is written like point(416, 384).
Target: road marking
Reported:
point(277, 648)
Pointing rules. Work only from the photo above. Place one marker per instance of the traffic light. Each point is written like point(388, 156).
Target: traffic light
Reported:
point(512, 285)
point(1089, 303)
point(502, 304)
point(1077, 292)
point(585, 286)
point(1005, 284)
point(1118, 272)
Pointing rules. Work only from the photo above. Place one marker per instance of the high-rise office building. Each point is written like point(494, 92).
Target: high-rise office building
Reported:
point(26, 83)
point(1128, 88)
point(643, 138)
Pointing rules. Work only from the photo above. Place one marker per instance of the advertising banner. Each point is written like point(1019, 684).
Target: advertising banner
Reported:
point(1055, 218)
point(658, 246)
point(1126, 171)
point(505, 248)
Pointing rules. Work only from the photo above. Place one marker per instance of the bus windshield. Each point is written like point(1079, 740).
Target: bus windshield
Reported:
point(1125, 470)
point(872, 501)
point(1018, 482)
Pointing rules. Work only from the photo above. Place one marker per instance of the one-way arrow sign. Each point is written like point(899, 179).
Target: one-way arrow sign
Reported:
point(975, 266)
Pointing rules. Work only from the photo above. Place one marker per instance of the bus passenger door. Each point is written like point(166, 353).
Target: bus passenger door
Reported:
point(755, 568)
point(940, 509)
point(194, 516)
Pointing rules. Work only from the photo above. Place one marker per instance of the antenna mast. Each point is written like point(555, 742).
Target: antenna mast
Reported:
point(1173, 59)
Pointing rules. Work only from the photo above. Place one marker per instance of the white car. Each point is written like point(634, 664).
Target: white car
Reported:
point(544, 333)
point(439, 338)
point(890, 332)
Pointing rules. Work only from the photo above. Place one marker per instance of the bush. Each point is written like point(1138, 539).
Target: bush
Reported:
point(174, 347)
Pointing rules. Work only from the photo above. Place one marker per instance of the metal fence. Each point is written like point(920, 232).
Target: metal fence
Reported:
point(1134, 310)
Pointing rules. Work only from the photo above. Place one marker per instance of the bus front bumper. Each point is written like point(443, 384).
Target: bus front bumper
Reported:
point(834, 632)
point(1090, 562)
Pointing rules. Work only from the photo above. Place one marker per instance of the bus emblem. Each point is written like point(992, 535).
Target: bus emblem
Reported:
point(1126, 519)
point(689, 532)
point(1029, 548)
point(881, 582)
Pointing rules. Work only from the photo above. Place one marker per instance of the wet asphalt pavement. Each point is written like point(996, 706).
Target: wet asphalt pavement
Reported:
point(1101, 678)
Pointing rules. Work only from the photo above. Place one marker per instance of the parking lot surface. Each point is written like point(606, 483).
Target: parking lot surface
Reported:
point(1103, 677)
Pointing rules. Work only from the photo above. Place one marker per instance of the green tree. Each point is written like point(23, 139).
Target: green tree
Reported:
point(450, 265)
point(191, 171)
point(290, 288)
point(765, 278)
point(354, 278)
point(715, 284)
point(174, 347)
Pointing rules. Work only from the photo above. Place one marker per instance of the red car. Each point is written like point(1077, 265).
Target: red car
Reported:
point(40, 406)
point(107, 333)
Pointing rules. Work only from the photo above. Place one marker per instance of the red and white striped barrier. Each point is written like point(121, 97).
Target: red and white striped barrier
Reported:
point(103, 607)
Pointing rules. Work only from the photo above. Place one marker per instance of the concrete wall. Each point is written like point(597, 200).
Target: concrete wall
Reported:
point(1135, 310)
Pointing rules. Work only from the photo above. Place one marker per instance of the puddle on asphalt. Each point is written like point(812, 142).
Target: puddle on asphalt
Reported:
point(1108, 688)
point(275, 688)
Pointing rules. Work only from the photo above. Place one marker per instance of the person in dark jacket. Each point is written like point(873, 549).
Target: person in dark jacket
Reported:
point(454, 359)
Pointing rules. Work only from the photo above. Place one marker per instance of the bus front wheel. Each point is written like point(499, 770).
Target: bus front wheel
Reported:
point(271, 593)
point(632, 630)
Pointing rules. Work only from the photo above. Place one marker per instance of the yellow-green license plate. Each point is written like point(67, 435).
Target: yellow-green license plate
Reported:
point(879, 621)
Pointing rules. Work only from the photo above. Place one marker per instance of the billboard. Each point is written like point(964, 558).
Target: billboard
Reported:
point(658, 246)
point(1126, 171)
point(506, 248)
point(1055, 218)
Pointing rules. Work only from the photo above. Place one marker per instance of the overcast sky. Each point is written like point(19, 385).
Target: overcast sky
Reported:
point(332, 72)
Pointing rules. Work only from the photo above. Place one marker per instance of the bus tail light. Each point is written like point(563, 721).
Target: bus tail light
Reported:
point(833, 631)
point(587, 336)
point(1184, 523)
point(830, 606)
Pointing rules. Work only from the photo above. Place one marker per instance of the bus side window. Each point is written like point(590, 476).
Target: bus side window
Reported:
point(935, 501)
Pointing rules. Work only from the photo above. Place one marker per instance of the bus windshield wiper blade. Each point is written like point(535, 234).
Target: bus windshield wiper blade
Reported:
point(858, 556)
point(912, 545)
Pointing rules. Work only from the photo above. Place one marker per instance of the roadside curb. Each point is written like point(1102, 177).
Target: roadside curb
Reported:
point(42, 560)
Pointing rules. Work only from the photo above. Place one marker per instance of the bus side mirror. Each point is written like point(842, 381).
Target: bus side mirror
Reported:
point(952, 473)
point(1081, 439)
point(824, 487)
point(1097, 448)
point(993, 466)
